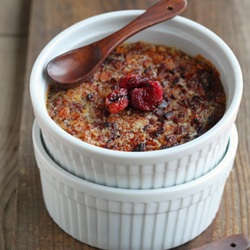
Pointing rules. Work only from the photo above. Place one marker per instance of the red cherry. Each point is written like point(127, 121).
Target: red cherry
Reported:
point(148, 97)
point(117, 100)
point(141, 92)
point(133, 81)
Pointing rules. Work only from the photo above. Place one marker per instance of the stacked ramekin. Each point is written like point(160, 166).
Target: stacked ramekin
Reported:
point(136, 200)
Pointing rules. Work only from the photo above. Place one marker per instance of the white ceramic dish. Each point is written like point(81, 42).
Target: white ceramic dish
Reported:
point(113, 218)
point(139, 170)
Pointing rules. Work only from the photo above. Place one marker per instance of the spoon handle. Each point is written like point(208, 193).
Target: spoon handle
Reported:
point(233, 242)
point(161, 11)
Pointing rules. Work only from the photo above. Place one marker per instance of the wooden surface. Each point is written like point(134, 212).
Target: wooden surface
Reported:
point(14, 15)
point(34, 229)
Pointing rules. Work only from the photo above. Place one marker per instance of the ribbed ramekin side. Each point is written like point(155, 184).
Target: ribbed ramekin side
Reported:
point(138, 176)
point(112, 224)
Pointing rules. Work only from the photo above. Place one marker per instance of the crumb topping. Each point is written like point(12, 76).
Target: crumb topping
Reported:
point(193, 100)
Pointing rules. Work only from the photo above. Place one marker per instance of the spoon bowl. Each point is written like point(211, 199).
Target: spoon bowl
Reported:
point(74, 66)
point(77, 65)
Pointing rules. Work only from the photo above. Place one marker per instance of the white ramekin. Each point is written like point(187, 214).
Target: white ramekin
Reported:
point(139, 170)
point(115, 218)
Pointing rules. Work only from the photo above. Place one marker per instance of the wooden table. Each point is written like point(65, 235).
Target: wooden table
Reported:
point(34, 228)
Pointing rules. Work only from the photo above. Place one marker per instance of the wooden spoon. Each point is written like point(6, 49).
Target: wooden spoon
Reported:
point(77, 65)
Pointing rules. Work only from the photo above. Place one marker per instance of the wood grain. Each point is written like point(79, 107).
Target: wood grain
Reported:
point(13, 46)
point(229, 19)
point(14, 18)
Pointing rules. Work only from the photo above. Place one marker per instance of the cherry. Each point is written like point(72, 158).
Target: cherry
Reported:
point(117, 100)
point(142, 93)
point(133, 81)
point(148, 97)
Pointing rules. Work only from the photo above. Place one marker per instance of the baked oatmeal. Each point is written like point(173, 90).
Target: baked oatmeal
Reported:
point(189, 100)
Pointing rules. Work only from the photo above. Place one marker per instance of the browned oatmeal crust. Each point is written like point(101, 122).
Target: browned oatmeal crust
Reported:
point(194, 100)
